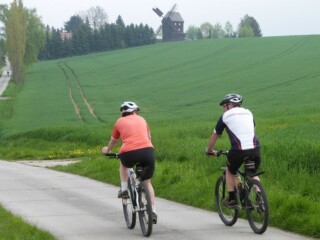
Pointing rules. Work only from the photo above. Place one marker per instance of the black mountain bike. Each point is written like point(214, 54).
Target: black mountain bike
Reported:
point(251, 197)
point(139, 201)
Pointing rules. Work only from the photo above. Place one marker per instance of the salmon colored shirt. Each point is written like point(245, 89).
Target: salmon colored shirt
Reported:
point(133, 131)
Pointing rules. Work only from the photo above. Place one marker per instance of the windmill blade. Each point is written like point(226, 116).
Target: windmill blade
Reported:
point(172, 10)
point(158, 11)
point(158, 30)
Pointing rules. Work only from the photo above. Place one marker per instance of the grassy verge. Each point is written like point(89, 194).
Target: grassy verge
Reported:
point(13, 227)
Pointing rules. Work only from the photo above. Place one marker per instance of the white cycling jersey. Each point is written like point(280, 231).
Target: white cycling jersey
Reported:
point(239, 124)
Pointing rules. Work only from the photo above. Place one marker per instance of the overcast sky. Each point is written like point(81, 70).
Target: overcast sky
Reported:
point(275, 17)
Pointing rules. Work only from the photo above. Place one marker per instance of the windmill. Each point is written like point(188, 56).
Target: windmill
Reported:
point(172, 25)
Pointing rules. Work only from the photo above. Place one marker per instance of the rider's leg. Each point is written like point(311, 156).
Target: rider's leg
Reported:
point(151, 191)
point(231, 182)
point(123, 177)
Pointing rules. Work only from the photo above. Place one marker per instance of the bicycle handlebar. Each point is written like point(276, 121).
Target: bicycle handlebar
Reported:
point(112, 155)
point(218, 154)
point(222, 152)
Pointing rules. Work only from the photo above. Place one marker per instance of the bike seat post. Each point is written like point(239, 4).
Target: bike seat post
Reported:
point(139, 171)
point(132, 175)
point(249, 166)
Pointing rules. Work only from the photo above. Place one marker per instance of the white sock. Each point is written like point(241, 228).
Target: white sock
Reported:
point(124, 186)
point(154, 209)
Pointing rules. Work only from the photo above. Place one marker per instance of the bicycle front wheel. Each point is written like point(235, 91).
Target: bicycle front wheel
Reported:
point(257, 207)
point(228, 215)
point(129, 206)
point(145, 212)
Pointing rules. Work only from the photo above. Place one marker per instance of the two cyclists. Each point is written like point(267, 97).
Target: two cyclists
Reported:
point(136, 148)
point(240, 126)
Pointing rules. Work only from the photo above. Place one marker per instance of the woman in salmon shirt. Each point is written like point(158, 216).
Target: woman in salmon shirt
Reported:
point(136, 148)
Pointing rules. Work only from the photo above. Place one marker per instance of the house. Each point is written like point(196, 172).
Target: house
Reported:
point(66, 35)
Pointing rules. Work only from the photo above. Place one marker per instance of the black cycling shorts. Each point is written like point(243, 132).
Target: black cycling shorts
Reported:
point(141, 158)
point(236, 159)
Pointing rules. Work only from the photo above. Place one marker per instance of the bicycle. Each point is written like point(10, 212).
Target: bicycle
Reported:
point(139, 200)
point(251, 197)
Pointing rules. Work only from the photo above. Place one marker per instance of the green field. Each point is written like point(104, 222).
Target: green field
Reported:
point(67, 108)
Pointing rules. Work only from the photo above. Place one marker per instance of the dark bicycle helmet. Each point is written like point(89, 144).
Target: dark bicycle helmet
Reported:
point(128, 107)
point(232, 98)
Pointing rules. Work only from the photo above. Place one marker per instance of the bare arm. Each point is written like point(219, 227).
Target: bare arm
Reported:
point(213, 139)
point(110, 145)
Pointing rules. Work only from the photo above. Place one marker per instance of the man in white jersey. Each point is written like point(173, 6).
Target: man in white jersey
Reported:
point(239, 124)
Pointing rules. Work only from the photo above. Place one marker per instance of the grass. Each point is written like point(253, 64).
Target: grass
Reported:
point(178, 86)
point(13, 227)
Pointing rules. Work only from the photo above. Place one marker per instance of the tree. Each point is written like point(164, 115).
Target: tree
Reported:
point(73, 24)
point(16, 39)
point(199, 34)
point(3, 19)
point(217, 31)
point(80, 40)
point(246, 32)
point(35, 38)
point(249, 22)
point(206, 30)
point(2, 51)
point(96, 15)
point(228, 30)
point(121, 32)
point(192, 32)
point(4, 12)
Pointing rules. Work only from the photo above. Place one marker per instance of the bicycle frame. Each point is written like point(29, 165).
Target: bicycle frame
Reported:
point(135, 185)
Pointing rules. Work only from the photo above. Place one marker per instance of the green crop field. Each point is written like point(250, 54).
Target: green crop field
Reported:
point(67, 108)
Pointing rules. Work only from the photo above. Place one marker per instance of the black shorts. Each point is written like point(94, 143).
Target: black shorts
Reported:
point(236, 158)
point(141, 158)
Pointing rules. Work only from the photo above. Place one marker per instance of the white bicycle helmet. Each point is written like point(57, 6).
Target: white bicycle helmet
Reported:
point(233, 98)
point(128, 107)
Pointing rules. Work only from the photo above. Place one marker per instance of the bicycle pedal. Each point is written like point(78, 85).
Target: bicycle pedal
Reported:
point(154, 218)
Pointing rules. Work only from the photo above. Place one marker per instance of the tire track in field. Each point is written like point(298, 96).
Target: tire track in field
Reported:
point(90, 108)
point(270, 59)
point(75, 105)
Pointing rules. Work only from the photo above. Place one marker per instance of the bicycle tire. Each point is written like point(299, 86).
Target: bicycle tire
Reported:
point(228, 216)
point(129, 206)
point(257, 207)
point(145, 212)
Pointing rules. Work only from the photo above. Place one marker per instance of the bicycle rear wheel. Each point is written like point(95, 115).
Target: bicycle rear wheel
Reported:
point(145, 213)
point(257, 207)
point(129, 206)
point(229, 216)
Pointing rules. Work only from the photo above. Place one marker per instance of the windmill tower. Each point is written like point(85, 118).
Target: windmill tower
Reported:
point(171, 25)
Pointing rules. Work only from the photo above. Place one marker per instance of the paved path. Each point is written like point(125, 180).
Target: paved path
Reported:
point(77, 208)
point(4, 78)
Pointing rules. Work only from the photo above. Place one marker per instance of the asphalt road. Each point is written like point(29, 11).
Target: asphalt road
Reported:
point(72, 207)
point(4, 78)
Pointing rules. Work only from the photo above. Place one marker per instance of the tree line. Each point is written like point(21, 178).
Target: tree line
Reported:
point(248, 27)
point(25, 39)
point(87, 39)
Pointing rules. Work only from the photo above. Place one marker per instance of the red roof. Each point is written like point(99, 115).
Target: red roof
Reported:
point(66, 35)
